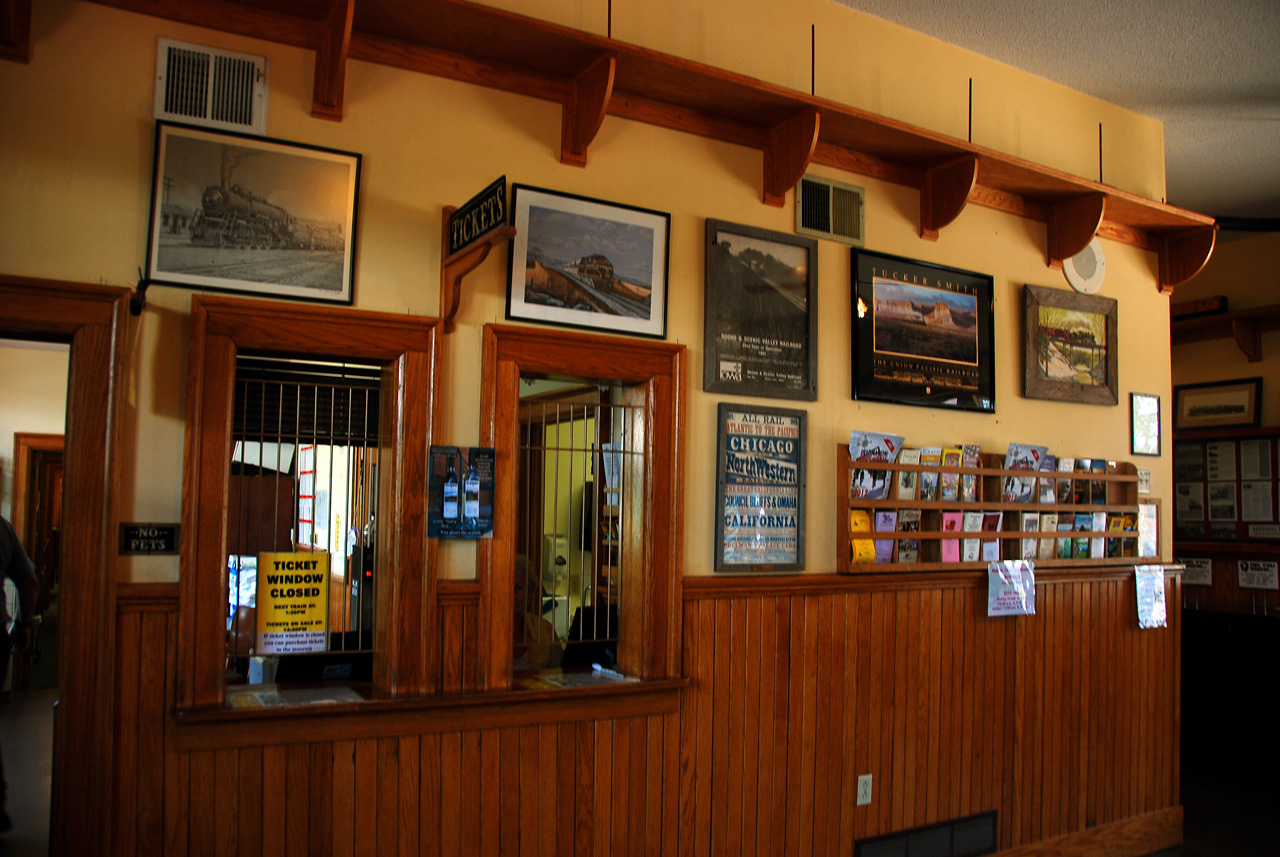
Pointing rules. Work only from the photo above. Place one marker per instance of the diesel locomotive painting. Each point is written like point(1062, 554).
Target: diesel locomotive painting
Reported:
point(248, 214)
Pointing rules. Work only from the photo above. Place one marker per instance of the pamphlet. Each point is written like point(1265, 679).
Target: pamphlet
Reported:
point(951, 547)
point(1048, 524)
point(1048, 485)
point(970, 457)
point(1065, 465)
point(909, 522)
point(886, 522)
point(930, 457)
point(863, 550)
point(872, 446)
point(972, 547)
point(949, 483)
point(1022, 456)
point(1031, 544)
point(908, 480)
point(991, 523)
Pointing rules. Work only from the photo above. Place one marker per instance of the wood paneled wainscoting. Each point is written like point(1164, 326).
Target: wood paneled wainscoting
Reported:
point(1065, 723)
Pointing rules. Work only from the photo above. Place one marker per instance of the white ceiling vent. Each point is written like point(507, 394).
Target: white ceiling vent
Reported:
point(210, 87)
point(827, 209)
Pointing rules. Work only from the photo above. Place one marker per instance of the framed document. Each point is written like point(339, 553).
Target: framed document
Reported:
point(761, 324)
point(760, 487)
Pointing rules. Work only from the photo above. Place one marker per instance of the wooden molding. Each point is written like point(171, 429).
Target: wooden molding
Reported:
point(788, 152)
point(330, 85)
point(15, 30)
point(1245, 326)
point(1072, 225)
point(585, 108)
point(94, 320)
point(1128, 837)
point(454, 268)
point(945, 192)
point(1184, 254)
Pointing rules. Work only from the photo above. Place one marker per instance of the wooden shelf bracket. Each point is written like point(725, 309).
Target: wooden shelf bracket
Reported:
point(1072, 225)
point(788, 153)
point(454, 268)
point(944, 192)
point(15, 30)
point(329, 88)
point(1247, 337)
point(583, 113)
point(1184, 254)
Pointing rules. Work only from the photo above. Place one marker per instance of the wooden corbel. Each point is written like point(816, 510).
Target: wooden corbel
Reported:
point(944, 192)
point(15, 30)
point(788, 152)
point(1072, 225)
point(454, 268)
point(1184, 254)
point(329, 89)
point(583, 113)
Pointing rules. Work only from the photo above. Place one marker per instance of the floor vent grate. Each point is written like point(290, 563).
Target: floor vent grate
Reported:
point(210, 87)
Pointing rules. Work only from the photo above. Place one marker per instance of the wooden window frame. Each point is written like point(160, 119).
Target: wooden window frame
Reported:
point(405, 657)
point(655, 371)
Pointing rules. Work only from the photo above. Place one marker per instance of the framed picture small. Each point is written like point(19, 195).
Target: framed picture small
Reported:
point(761, 321)
point(582, 262)
point(235, 213)
point(1070, 349)
point(922, 334)
point(1217, 404)
point(1144, 423)
point(760, 488)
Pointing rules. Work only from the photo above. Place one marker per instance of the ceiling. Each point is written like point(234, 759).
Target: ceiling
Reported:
point(1209, 71)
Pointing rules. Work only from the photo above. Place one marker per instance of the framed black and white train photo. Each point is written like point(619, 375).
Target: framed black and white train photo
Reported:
point(236, 213)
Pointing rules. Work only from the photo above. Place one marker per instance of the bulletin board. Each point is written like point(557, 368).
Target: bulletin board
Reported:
point(1225, 486)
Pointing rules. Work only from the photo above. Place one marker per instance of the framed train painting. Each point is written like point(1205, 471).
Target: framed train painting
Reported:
point(236, 213)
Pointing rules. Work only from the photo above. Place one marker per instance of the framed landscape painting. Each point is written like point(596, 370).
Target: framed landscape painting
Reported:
point(922, 334)
point(235, 213)
point(761, 320)
point(1070, 353)
point(583, 262)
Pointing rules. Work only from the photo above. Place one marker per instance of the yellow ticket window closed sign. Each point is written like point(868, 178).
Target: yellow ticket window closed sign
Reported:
point(293, 602)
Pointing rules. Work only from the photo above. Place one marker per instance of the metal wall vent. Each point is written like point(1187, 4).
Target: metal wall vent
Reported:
point(827, 209)
point(210, 87)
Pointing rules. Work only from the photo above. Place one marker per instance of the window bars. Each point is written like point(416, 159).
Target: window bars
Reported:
point(304, 479)
point(574, 533)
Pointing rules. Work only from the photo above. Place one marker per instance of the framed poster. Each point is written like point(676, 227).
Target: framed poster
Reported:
point(1217, 404)
point(922, 334)
point(582, 262)
point(760, 488)
point(1070, 348)
point(760, 334)
point(235, 213)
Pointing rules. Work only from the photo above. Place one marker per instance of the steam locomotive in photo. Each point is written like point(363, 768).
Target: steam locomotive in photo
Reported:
point(230, 216)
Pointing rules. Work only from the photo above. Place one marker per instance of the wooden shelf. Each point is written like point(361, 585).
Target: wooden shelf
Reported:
point(593, 76)
point(1120, 493)
point(1245, 326)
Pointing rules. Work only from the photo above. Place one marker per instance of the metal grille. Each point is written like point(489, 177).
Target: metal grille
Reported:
point(576, 536)
point(186, 87)
point(210, 87)
point(304, 479)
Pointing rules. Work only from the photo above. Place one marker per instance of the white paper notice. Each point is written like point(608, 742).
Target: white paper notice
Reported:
point(1255, 501)
point(1199, 572)
point(1190, 501)
point(1012, 588)
point(1255, 459)
point(1222, 501)
point(1222, 459)
point(1151, 607)
point(1257, 574)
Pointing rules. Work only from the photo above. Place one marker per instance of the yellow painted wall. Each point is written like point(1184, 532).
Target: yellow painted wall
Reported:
point(75, 171)
point(33, 399)
point(1243, 271)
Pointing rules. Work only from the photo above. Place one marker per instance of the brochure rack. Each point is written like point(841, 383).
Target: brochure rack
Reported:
point(1113, 492)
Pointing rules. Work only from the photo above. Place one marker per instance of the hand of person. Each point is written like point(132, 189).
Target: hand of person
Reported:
point(21, 637)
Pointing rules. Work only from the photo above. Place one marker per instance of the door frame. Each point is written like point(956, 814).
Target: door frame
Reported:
point(94, 321)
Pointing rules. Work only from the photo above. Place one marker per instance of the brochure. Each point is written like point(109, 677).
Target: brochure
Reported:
point(970, 457)
point(886, 522)
point(909, 522)
point(908, 480)
point(991, 523)
point(872, 446)
point(930, 457)
point(1022, 456)
point(1031, 544)
point(949, 483)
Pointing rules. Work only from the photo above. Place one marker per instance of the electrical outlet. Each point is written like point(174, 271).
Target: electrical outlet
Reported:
point(864, 790)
